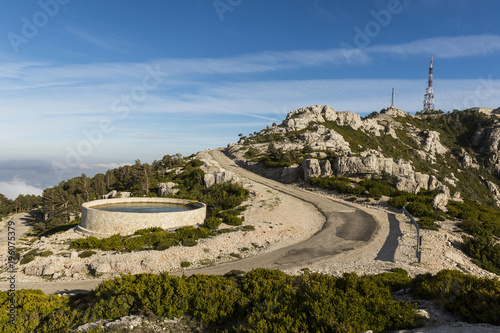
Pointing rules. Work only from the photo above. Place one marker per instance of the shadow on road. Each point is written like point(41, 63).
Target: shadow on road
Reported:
point(387, 251)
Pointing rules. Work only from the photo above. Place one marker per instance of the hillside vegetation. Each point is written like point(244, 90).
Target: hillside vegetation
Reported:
point(409, 159)
point(262, 301)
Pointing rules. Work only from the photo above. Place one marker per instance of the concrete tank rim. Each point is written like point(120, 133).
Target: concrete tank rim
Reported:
point(90, 204)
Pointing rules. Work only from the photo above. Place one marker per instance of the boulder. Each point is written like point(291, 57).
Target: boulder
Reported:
point(220, 177)
point(407, 185)
point(369, 165)
point(432, 144)
point(101, 268)
point(326, 168)
point(440, 201)
point(166, 189)
point(311, 168)
point(465, 160)
point(52, 268)
point(110, 195)
point(33, 270)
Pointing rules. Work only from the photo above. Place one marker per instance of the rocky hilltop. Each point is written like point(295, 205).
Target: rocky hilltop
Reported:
point(457, 152)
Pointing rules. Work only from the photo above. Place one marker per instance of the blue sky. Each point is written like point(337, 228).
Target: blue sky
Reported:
point(87, 85)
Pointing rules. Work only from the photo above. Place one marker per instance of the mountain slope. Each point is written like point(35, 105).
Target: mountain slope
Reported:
point(459, 150)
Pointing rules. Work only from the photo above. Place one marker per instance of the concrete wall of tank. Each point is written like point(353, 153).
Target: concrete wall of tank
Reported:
point(103, 223)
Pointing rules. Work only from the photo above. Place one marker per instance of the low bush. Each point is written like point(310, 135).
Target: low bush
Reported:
point(46, 253)
point(87, 253)
point(232, 220)
point(147, 230)
point(189, 242)
point(166, 244)
point(27, 258)
point(185, 264)
point(212, 222)
point(261, 300)
point(427, 223)
point(474, 299)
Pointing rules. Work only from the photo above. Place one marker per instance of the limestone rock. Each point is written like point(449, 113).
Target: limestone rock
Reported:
point(326, 168)
point(116, 194)
point(440, 201)
point(407, 185)
point(166, 189)
point(432, 144)
point(465, 159)
point(52, 268)
point(219, 177)
point(394, 112)
point(209, 179)
point(100, 268)
point(110, 195)
point(493, 188)
point(33, 270)
point(354, 166)
point(311, 168)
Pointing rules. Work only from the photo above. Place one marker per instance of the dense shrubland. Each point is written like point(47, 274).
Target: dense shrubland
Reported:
point(262, 300)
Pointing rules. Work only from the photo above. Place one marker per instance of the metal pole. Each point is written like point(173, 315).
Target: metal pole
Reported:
point(419, 239)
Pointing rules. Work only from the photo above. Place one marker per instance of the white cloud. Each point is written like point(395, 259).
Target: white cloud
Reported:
point(12, 189)
point(444, 47)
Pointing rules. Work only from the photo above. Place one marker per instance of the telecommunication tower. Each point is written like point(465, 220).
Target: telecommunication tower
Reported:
point(392, 100)
point(429, 95)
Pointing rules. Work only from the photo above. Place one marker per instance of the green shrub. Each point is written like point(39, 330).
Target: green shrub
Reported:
point(46, 253)
point(398, 201)
point(27, 258)
point(212, 222)
point(189, 242)
point(167, 244)
point(232, 220)
point(86, 254)
point(147, 230)
point(474, 299)
point(427, 223)
point(185, 264)
point(248, 228)
point(235, 255)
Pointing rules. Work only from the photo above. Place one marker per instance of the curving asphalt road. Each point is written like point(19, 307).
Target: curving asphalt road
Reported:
point(346, 229)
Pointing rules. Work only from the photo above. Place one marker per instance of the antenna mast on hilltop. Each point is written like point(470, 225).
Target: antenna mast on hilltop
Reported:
point(429, 95)
point(392, 101)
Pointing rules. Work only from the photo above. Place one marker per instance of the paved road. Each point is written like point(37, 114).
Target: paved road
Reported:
point(346, 228)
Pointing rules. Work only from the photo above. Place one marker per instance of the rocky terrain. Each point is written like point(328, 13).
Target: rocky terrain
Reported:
point(419, 152)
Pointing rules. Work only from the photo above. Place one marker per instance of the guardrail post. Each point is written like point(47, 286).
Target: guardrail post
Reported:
point(419, 239)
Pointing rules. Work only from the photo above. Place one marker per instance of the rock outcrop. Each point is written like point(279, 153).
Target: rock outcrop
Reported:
point(166, 189)
point(220, 177)
point(116, 194)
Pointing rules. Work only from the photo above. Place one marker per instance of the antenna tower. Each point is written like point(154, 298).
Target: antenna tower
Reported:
point(392, 101)
point(429, 95)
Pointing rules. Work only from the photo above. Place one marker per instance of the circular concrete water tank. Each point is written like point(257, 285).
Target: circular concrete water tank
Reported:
point(99, 222)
